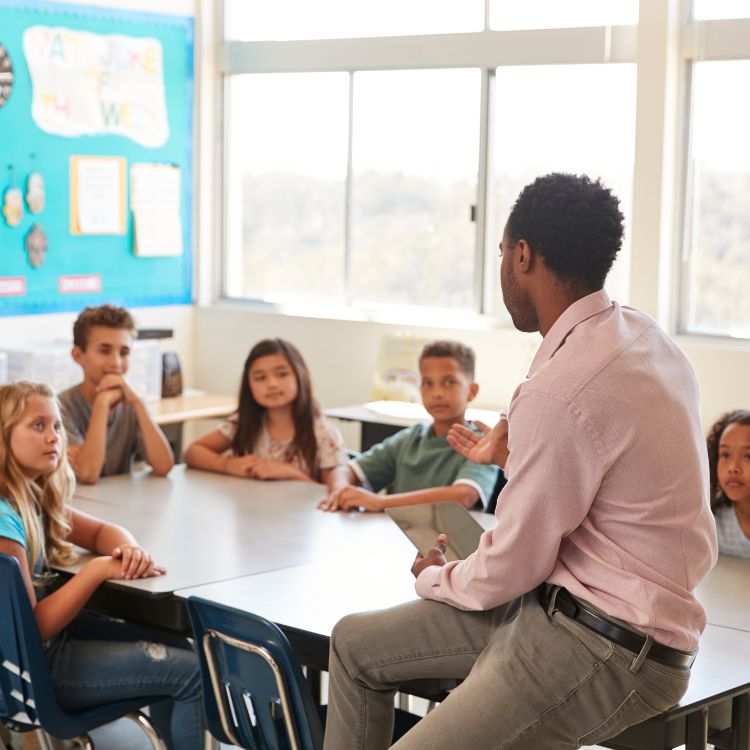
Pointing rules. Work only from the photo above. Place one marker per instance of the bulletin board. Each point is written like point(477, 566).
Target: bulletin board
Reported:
point(83, 269)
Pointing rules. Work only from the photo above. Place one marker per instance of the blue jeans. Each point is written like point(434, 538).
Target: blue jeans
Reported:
point(97, 660)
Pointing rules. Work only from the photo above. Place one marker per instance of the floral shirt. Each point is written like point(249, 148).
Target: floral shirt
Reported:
point(331, 451)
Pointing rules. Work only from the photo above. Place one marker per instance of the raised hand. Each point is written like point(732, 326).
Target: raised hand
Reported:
point(491, 447)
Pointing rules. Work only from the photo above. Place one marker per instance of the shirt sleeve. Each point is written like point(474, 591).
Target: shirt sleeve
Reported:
point(542, 504)
point(378, 464)
point(11, 526)
point(331, 451)
point(75, 432)
point(228, 428)
point(479, 476)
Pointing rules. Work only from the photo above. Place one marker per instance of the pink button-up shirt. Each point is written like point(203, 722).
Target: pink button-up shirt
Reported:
point(607, 490)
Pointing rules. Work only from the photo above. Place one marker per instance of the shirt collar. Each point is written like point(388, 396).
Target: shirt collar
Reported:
point(580, 310)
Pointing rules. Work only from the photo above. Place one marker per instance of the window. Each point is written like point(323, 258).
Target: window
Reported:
point(716, 300)
point(379, 174)
point(250, 20)
point(415, 156)
point(286, 168)
point(580, 119)
point(716, 9)
point(551, 14)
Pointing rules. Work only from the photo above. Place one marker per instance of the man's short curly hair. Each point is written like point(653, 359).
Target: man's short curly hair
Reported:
point(462, 354)
point(573, 222)
point(738, 416)
point(108, 316)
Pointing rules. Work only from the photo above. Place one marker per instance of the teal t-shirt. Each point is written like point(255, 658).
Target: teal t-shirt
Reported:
point(415, 459)
point(11, 525)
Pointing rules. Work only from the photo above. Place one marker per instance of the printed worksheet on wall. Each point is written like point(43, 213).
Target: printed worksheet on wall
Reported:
point(155, 201)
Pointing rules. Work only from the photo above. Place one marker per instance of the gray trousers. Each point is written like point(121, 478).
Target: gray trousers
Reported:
point(531, 680)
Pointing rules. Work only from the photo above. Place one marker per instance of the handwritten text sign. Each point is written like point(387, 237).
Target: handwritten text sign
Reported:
point(94, 84)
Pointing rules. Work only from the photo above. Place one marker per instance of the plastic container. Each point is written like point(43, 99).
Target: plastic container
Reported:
point(54, 365)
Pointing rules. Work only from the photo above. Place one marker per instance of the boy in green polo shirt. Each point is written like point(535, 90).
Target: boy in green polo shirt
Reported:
point(417, 465)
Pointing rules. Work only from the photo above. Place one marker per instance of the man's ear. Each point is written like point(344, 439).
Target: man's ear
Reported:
point(524, 256)
point(473, 390)
point(77, 354)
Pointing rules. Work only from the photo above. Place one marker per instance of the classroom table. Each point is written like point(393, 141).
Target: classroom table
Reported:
point(264, 547)
point(380, 419)
point(172, 412)
point(206, 527)
point(725, 593)
point(192, 404)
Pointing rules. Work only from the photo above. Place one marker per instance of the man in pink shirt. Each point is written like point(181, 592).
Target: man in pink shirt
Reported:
point(575, 617)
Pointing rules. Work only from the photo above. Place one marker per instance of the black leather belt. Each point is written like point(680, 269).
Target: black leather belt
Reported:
point(571, 607)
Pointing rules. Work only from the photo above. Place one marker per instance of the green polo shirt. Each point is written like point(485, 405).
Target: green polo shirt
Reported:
point(415, 459)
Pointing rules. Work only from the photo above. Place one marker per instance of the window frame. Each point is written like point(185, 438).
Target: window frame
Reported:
point(702, 41)
point(486, 50)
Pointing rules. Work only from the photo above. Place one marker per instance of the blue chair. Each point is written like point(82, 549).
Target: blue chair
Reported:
point(254, 693)
point(28, 701)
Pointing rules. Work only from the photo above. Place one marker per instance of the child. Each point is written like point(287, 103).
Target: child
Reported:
point(107, 424)
point(729, 466)
point(277, 431)
point(417, 464)
point(38, 525)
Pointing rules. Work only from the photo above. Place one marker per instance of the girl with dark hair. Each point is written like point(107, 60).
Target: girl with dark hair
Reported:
point(729, 466)
point(277, 431)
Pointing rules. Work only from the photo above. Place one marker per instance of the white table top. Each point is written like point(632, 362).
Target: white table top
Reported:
point(205, 527)
point(400, 413)
point(725, 593)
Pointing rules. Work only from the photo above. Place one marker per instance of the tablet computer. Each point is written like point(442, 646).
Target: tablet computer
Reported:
point(423, 523)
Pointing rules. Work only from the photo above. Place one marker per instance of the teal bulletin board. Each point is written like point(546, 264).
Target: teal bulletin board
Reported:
point(85, 269)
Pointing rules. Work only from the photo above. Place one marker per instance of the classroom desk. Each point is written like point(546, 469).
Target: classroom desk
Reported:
point(380, 419)
point(170, 413)
point(192, 404)
point(205, 527)
point(725, 594)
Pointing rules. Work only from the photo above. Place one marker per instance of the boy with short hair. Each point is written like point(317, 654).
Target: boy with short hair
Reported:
point(106, 422)
point(417, 464)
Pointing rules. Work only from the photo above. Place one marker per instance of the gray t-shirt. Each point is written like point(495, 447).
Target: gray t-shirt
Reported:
point(124, 439)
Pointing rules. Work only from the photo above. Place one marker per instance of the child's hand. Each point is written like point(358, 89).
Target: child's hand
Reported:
point(240, 466)
point(109, 568)
point(109, 396)
point(264, 468)
point(114, 381)
point(135, 562)
point(333, 501)
point(353, 498)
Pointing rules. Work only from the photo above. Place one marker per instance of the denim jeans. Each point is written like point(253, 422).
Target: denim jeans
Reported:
point(97, 660)
point(532, 680)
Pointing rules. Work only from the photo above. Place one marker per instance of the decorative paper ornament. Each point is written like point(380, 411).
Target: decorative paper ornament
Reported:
point(6, 75)
point(36, 245)
point(12, 202)
point(35, 197)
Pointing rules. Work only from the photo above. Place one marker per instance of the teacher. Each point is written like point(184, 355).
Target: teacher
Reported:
point(576, 616)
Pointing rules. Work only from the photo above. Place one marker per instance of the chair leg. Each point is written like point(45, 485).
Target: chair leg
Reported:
point(43, 739)
point(210, 742)
point(148, 728)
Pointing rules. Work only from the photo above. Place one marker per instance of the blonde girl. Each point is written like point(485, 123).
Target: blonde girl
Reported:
point(277, 431)
point(39, 527)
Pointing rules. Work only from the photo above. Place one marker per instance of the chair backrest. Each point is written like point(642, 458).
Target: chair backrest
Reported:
point(24, 676)
point(254, 693)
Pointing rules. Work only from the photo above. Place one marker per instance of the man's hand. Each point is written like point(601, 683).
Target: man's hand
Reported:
point(435, 556)
point(491, 447)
